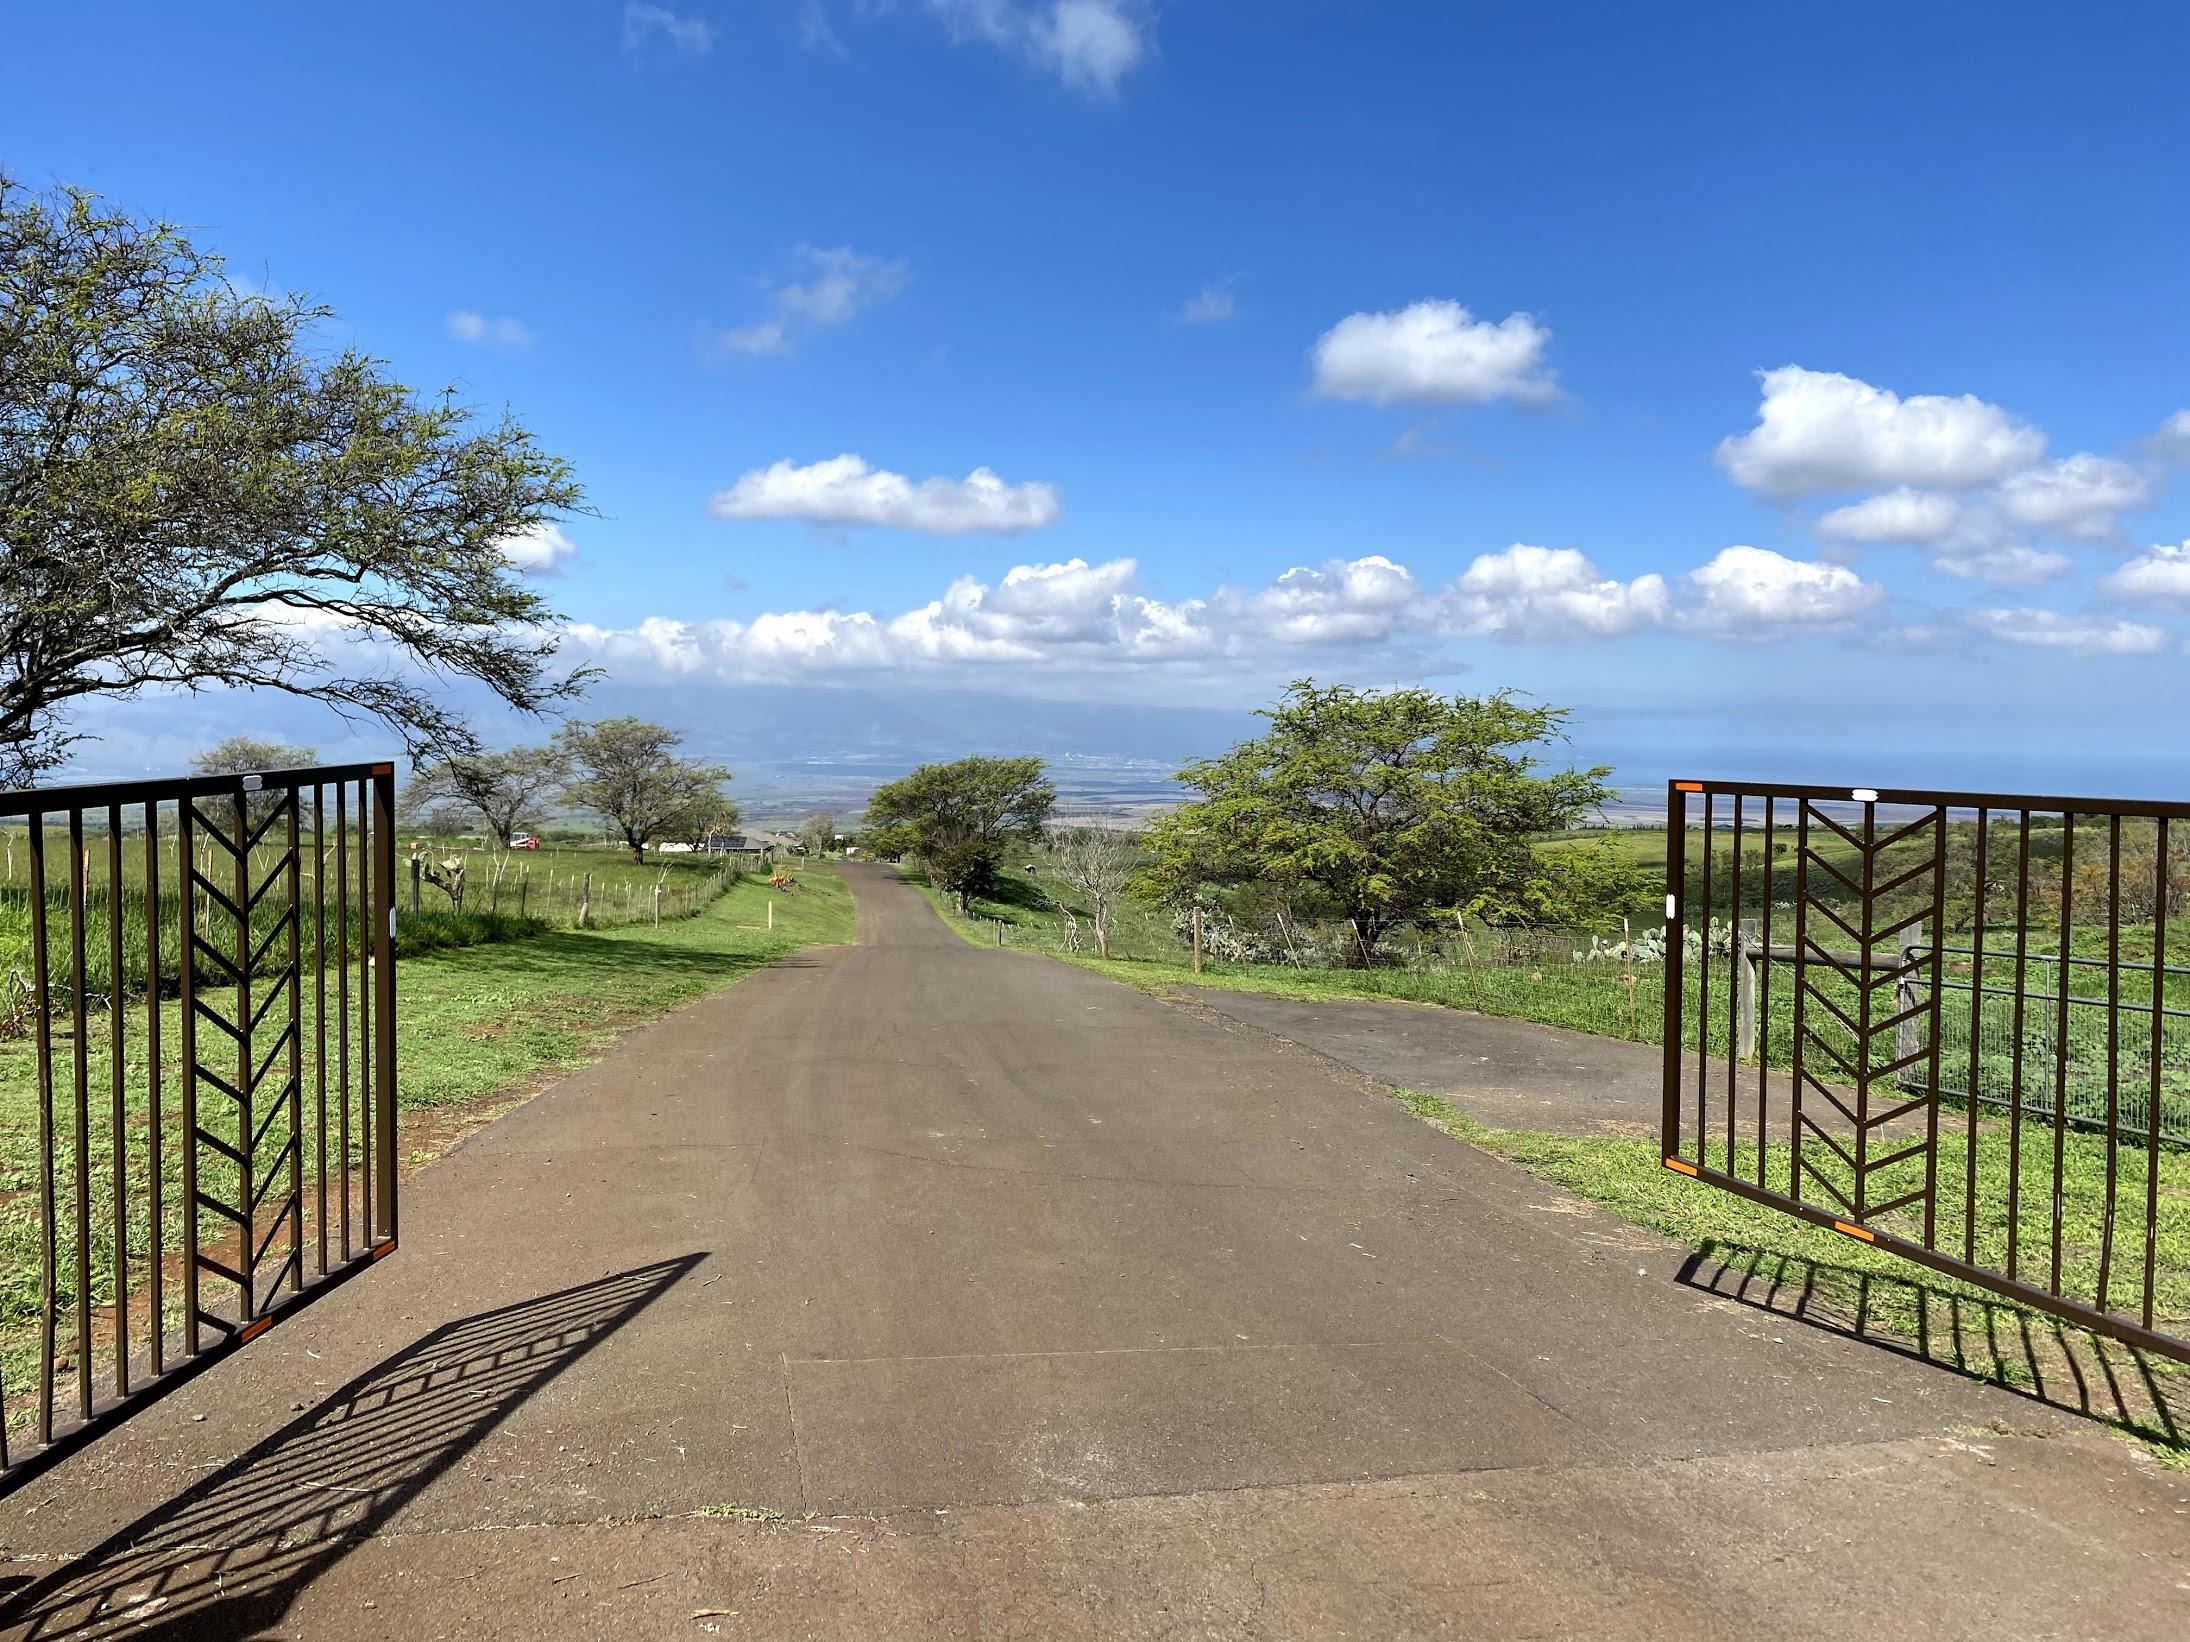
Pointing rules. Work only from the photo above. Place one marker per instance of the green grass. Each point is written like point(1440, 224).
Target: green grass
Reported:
point(474, 1025)
point(536, 890)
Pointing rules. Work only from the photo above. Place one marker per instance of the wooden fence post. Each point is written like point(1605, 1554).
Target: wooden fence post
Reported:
point(1906, 1036)
point(418, 866)
point(1197, 938)
point(1746, 954)
point(585, 901)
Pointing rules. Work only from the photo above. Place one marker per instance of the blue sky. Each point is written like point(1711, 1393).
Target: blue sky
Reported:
point(1374, 295)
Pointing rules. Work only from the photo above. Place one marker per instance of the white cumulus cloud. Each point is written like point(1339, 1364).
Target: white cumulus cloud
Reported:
point(2076, 496)
point(1901, 515)
point(844, 490)
point(2158, 575)
point(1754, 593)
point(2084, 635)
point(1345, 601)
point(539, 550)
point(1820, 431)
point(2011, 564)
point(1528, 592)
point(1434, 352)
point(2172, 442)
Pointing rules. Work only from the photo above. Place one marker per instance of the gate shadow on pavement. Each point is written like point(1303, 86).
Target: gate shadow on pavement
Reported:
point(2028, 1353)
point(229, 1555)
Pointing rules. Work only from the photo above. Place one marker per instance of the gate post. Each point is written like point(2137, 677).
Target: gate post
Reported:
point(1676, 876)
point(383, 939)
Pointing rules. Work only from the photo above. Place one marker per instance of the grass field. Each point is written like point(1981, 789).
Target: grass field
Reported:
point(507, 894)
point(475, 1028)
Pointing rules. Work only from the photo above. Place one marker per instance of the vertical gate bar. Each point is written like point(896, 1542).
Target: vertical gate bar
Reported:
point(155, 1182)
point(319, 1003)
point(2060, 1045)
point(296, 1050)
point(2113, 1049)
point(1937, 1024)
point(1676, 914)
point(1801, 985)
point(384, 986)
point(1733, 990)
point(342, 1001)
point(41, 968)
point(367, 841)
point(186, 873)
point(2152, 1106)
point(1703, 1004)
point(247, 1111)
point(2015, 1071)
point(1764, 987)
point(1976, 1034)
point(80, 1028)
point(118, 1095)
point(1863, 990)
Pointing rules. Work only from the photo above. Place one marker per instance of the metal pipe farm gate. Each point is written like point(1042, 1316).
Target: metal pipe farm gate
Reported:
point(1945, 1024)
point(204, 970)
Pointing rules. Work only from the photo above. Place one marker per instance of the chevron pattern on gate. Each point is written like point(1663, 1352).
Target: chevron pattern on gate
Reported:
point(1867, 1014)
point(246, 1120)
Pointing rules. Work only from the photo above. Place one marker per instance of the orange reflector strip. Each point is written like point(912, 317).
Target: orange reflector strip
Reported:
point(255, 1330)
point(1688, 786)
point(1854, 1231)
point(1678, 1167)
point(384, 1250)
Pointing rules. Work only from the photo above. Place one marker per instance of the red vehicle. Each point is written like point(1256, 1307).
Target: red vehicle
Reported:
point(523, 841)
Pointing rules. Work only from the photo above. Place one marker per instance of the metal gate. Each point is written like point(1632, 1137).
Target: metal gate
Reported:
point(1944, 1024)
point(199, 1026)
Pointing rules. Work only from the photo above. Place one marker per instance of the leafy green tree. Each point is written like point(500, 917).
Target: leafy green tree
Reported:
point(628, 772)
point(506, 792)
point(957, 818)
point(818, 833)
point(193, 493)
point(1589, 886)
point(1388, 805)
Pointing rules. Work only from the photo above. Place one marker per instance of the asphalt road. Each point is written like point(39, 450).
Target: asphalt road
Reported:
point(914, 1289)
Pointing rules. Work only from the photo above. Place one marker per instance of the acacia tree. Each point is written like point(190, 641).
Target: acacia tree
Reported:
point(193, 495)
point(710, 815)
point(248, 755)
point(1388, 805)
point(1098, 862)
point(504, 791)
point(956, 818)
point(628, 772)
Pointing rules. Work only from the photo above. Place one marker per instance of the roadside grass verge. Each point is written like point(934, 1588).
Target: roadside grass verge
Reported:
point(477, 1029)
